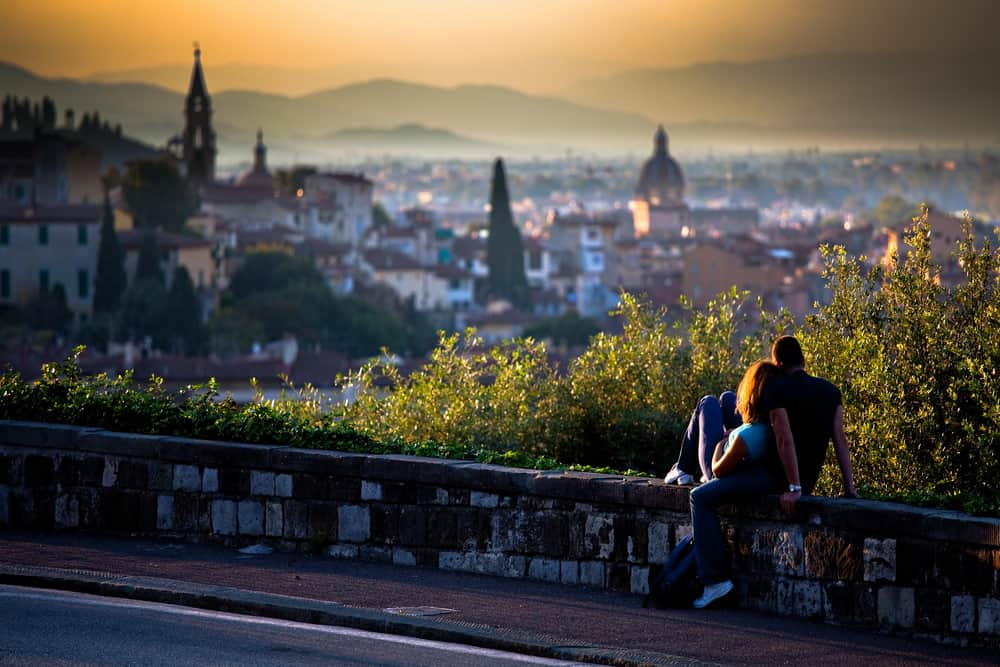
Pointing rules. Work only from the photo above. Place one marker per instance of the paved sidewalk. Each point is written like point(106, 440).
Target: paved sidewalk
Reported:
point(531, 617)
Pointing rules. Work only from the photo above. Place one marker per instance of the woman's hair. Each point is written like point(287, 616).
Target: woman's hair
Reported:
point(752, 387)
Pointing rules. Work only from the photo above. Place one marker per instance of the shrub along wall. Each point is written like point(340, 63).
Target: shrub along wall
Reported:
point(878, 565)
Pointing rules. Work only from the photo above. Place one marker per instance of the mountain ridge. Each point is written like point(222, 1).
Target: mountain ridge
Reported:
point(835, 100)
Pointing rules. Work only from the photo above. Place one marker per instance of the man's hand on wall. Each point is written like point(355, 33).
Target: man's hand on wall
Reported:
point(788, 501)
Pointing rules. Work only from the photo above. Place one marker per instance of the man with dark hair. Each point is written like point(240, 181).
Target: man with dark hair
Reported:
point(805, 412)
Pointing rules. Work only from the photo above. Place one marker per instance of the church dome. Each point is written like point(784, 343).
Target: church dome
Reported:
point(661, 182)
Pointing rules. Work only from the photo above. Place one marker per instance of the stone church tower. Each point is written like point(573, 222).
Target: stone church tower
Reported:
point(199, 138)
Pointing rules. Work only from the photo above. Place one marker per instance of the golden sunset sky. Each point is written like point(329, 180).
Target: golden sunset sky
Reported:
point(528, 44)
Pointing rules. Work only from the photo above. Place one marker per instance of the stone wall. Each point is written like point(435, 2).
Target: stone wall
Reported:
point(878, 565)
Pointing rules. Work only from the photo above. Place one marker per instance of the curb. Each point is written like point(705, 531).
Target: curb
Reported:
point(319, 612)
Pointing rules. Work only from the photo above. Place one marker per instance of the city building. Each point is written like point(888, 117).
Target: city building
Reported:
point(249, 203)
point(45, 246)
point(49, 168)
point(176, 250)
point(714, 266)
point(338, 207)
point(583, 249)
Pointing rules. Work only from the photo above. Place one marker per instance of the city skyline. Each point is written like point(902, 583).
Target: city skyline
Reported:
point(536, 47)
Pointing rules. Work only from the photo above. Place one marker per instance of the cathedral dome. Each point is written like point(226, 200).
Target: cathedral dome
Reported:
point(661, 182)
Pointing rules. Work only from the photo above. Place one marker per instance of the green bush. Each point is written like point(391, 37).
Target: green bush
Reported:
point(623, 403)
point(64, 395)
point(496, 399)
point(918, 365)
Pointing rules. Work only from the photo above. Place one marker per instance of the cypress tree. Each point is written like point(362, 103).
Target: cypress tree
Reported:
point(182, 328)
point(110, 280)
point(148, 264)
point(504, 250)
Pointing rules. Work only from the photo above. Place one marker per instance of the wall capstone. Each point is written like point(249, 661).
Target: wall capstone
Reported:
point(871, 564)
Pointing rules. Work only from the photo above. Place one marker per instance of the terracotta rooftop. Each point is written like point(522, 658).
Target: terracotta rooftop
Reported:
point(56, 214)
point(390, 260)
point(222, 193)
point(132, 240)
point(451, 272)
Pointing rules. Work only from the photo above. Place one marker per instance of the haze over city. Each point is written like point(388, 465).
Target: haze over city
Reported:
point(723, 75)
point(531, 46)
point(256, 255)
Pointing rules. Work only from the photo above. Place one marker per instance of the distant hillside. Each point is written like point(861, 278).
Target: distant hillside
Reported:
point(290, 81)
point(489, 113)
point(831, 101)
point(409, 138)
point(940, 97)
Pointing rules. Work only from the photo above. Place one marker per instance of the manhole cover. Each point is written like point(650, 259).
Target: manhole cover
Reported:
point(419, 611)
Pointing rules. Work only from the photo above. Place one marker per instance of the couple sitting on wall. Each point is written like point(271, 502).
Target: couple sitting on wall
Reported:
point(769, 437)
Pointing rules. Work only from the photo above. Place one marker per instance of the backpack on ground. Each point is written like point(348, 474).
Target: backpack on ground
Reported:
point(676, 584)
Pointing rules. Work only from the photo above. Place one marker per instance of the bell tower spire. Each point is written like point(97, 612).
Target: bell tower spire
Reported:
point(199, 137)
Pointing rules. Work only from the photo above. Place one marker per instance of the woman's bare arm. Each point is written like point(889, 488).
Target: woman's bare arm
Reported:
point(725, 463)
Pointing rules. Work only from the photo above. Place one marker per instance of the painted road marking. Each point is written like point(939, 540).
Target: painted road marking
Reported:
point(87, 600)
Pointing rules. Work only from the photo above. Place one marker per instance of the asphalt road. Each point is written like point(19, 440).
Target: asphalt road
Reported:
point(573, 616)
point(57, 628)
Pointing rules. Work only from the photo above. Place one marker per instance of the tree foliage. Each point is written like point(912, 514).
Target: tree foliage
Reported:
point(567, 329)
point(156, 195)
point(110, 279)
point(141, 312)
point(918, 363)
point(274, 294)
point(620, 404)
point(504, 249)
point(48, 310)
point(380, 217)
point(182, 328)
point(149, 265)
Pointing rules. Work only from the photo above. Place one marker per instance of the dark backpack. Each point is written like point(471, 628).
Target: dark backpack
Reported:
point(676, 584)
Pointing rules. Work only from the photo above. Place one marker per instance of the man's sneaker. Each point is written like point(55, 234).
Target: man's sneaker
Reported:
point(712, 593)
point(677, 476)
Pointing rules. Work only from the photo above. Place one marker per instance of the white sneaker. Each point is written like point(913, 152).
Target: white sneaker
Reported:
point(677, 476)
point(712, 593)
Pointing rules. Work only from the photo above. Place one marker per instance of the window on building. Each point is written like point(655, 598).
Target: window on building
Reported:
point(81, 235)
point(4, 234)
point(43, 279)
point(43, 234)
point(535, 260)
point(4, 283)
point(201, 278)
point(82, 284)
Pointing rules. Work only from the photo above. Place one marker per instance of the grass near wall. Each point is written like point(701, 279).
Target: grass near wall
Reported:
point(917, 363)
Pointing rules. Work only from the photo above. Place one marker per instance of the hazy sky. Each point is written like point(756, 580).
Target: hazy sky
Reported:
point(530, 44)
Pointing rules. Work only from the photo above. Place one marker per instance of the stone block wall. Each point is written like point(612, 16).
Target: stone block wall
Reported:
point(901, 569)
